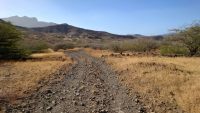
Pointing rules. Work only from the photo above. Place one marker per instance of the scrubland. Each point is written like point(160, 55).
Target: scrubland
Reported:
point(162, 82)
point(17, 78)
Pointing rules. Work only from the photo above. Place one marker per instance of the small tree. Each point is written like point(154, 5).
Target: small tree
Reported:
point(9, 37)
point(191, 38)
point(118, 47)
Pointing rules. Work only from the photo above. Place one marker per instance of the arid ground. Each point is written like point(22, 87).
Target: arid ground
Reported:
point(96, 81)
point(164, 83)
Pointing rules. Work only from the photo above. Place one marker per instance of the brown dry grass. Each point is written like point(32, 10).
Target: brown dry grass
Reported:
point(49, 56)
point(97, 53)
point(163, 82)
point(17, 77)
point(161, 79)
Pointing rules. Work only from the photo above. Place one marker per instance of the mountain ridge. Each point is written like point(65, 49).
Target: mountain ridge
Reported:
point(72, 31)
point(67, 30)
point(28, 22)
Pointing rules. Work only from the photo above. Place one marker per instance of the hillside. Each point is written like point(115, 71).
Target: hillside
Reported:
point(66, 30)
point(76, 32)
point(48, 29)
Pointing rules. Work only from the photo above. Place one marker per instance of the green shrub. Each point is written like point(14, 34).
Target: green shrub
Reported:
point(64, 46)
point(118, 47)
point(137, 45)
point(173, 50)
point(9, 42)
point(191, 38)
point(143, 45)
point(35, 46)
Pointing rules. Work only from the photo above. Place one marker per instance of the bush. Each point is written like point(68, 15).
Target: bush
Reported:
point(98, 46)
point(118, 47)
point(174, 50)
point(64, 46)
point(9, 46)
point(191, 38)
point(137, 45)
point(144, 45)
point(35, 46)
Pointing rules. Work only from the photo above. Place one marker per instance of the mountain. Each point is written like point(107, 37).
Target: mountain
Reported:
point(44, 29)
point(55, 34)
point(76, 32)
point(29, 22)
point(1, 20)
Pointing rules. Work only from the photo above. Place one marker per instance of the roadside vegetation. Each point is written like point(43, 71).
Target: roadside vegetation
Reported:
point(19, 78)
point(183, 42)
point(163, 83)
point(25, 65)
point(9, 46)
point(136, 45)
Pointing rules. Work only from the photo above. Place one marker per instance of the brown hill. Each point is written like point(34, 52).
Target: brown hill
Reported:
point(75, 32)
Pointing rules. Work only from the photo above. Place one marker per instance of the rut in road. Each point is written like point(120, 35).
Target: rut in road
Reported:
point(90, 86)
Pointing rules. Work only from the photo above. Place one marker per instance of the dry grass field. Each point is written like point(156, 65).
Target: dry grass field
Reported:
point(18, 77)
point(161, 81)
point(50, 56)
point(97, 53)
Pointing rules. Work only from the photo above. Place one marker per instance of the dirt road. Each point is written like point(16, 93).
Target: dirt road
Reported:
point(90, 86)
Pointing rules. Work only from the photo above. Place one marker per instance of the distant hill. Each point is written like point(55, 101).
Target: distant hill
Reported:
point(1, 20)
point(29, 22)
point(64, 33)
point(75, 32)
point(35, 28)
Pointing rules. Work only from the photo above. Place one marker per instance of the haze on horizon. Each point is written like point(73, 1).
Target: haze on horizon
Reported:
point(116, 16)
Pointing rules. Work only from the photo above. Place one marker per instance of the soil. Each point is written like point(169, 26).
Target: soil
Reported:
point(89, 86)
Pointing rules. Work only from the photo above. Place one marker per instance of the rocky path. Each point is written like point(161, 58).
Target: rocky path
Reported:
point(90, 86)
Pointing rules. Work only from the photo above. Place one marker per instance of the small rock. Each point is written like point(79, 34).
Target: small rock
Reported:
point(53, 102)
point(62, 98)
point(81, 88)
point(77, 94)
point(23, 104)
point(48, 91)
point(82, 104)
point(74, 102)
point(103, 111)
point(136, 100)
point(142, 110)
point(49, 108)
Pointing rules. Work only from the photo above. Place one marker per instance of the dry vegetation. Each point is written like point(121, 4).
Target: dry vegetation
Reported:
point(97, 53)
point(18, 77)
point(162, 82)
point(50, 56)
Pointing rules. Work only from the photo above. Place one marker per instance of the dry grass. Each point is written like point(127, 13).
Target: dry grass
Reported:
point(17, 77)
point(74, 49)
point(161, 79)
point(49, 56)
point(97, 53)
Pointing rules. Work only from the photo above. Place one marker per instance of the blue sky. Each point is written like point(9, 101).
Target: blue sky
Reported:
point(147, 17)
